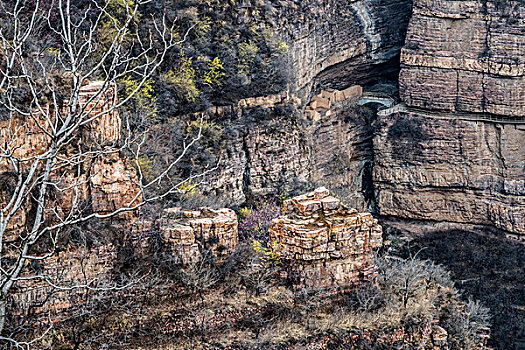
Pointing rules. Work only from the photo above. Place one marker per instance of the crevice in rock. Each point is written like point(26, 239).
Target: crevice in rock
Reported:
point(246, 180)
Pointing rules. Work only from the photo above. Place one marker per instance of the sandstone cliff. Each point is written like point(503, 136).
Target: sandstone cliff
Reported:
point(465, 56)
point(339, 43)
point(326, 243)
point(277, 150)
point(103, 182)
point(450, 170)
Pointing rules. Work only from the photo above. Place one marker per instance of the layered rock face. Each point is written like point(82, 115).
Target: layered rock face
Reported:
point(106, 181)
point(450, 170)
point(106, 128)
point(186, 234)
point(330, 45)
point(465, 56)
point(276, 154)
point(327, 243)
point(262, 157)
point(432, 161)
point(189, 232)
point(66, 270)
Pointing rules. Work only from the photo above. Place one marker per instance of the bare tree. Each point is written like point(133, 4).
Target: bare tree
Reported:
point(46, 180)
point(257, 275)
point(200, 275)
point(407, 278)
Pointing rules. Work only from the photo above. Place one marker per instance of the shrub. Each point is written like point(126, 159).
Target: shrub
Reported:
point(254, 222)
point(467, 325)
point(270, 255)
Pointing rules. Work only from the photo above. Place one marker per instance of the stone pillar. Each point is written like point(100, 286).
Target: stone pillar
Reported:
point(326, 243)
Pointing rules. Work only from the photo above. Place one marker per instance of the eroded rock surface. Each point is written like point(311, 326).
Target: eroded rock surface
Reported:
point(339, 43)
point(65, 276)
point(327, 243)
point(106, 182)
point(66, 273)
point(189, 232)
point(276, 154)
point(450, 170)
point(465, 56)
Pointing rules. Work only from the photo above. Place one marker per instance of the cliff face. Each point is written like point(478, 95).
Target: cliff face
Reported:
point(465, 56)
point(106, 181)
point(462, 57)
point(329, 244)
point(271, 153)
point(450, 170)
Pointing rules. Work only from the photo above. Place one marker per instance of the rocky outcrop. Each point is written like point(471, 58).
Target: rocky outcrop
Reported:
point(450, 170)
point(467, 163)
point(112, 184)
point(65, 279)
point(190, 232)
point(432, 160)
point(326, 243)
point(264, 154)
point(106, 181)
point(106, 128)
point(327, 45)
point(271, 152)
point(465, 56)
point(67, 275)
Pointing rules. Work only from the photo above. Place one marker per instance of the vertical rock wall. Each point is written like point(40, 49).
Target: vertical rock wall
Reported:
point(190, 232)
point(274, 154)
point(339, 43)
point(465, 56)
point(451, 170)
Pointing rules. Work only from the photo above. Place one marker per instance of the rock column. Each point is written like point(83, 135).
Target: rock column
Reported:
point(326, 243)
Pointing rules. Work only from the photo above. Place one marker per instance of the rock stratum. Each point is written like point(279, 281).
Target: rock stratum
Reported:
point(465, 56)
point(189, 232)
point(107, 181)
point(327, 244)
point(450, 170)
point(453, 153)
point(340, 43)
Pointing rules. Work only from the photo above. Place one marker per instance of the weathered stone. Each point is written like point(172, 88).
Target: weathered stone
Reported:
point(70, 268)
point(191, 231)
point(450, 170)
point(340, 43)
point(113, 184)
point(326, 243)
point(465, 56)
point(107, 182)
point(283, 155)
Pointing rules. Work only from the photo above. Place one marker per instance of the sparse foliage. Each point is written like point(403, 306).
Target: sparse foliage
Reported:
point(49, 52)
point(254, 222)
